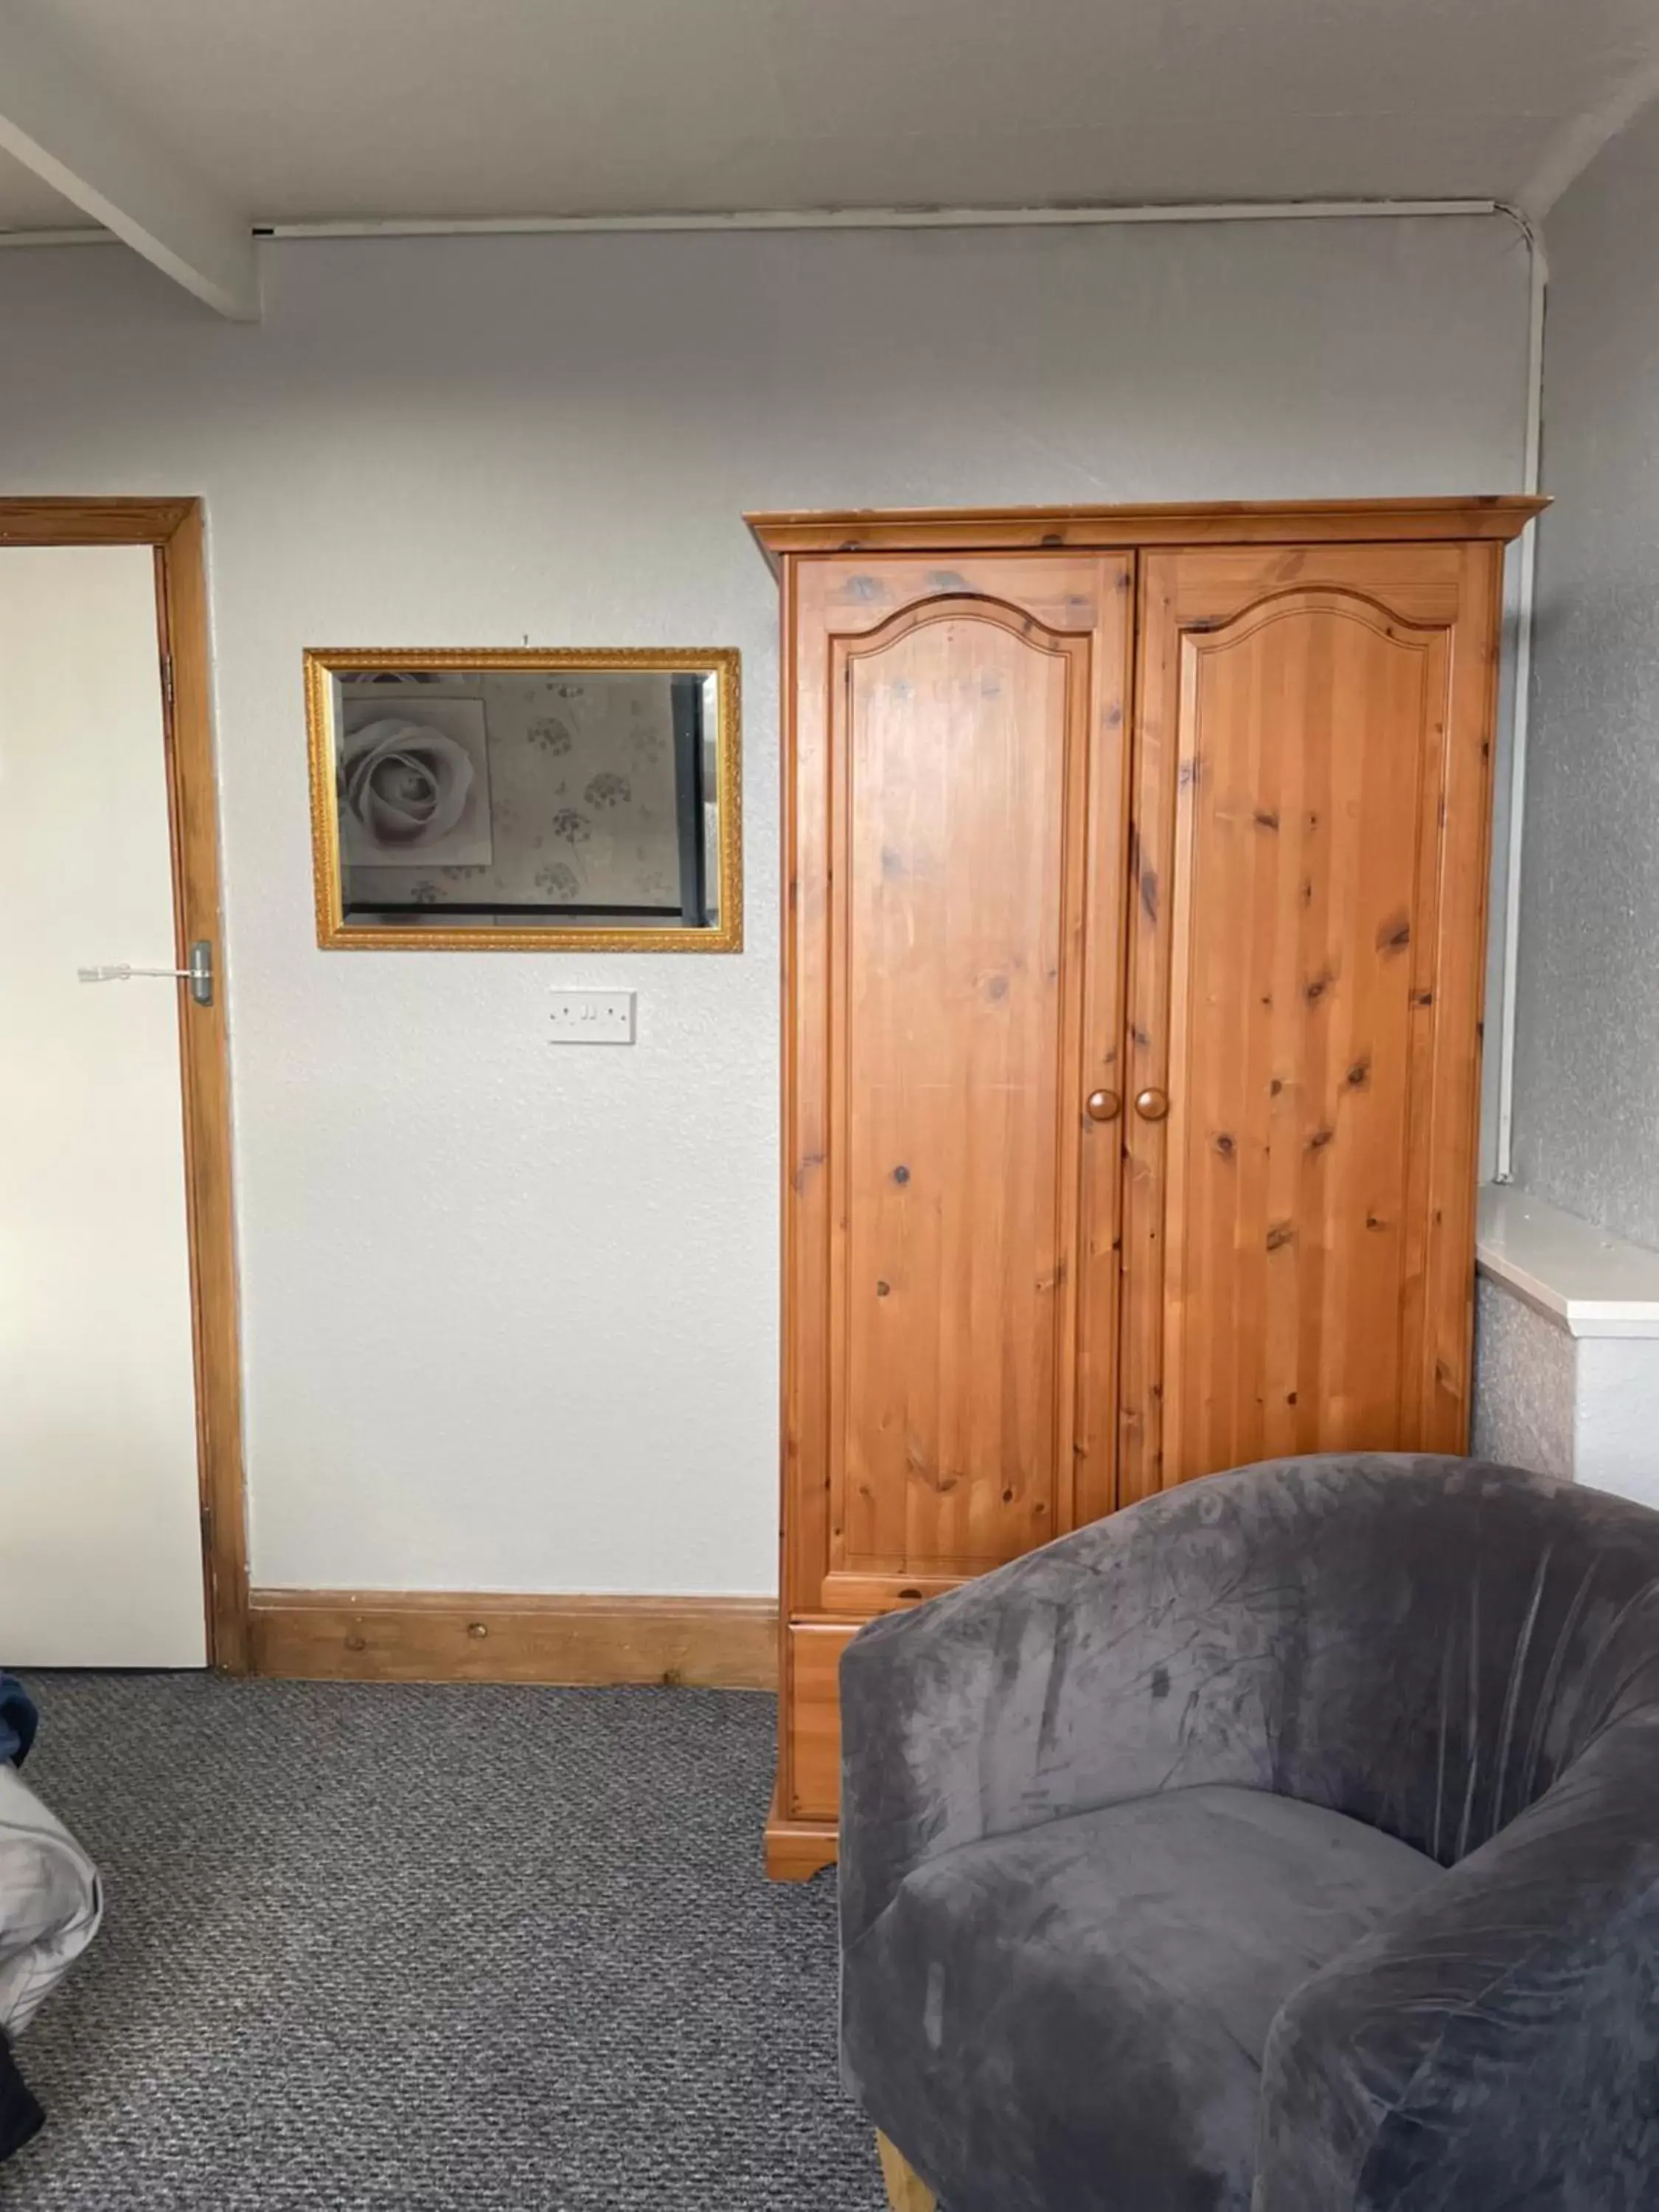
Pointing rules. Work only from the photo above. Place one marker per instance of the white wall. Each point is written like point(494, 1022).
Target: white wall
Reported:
point(1586, 1090)
point(510, 1316)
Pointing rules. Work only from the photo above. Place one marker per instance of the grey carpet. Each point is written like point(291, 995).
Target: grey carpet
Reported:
point(404, 1949)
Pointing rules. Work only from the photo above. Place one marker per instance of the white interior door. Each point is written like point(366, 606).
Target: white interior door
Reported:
point(101, 1548)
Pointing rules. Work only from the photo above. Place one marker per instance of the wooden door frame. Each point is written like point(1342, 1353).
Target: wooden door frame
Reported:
point(174, 528)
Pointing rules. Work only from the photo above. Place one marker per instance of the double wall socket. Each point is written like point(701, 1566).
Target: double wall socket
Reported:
point(591, 1017)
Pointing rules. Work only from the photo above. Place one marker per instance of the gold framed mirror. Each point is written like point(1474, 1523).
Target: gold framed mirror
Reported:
point(517, 800)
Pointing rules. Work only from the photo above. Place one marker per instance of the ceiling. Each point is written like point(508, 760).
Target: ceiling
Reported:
point(307, 110)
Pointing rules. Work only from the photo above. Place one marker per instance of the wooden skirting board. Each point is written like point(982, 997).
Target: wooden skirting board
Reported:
point(450, 1636)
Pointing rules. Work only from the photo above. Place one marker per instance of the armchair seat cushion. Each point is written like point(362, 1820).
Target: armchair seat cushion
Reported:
point(1076, 2015)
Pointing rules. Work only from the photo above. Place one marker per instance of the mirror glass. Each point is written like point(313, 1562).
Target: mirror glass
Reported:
point(523, 798)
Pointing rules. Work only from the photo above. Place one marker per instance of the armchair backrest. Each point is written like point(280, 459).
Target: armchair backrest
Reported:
point(1425, 1644)
point(1448, 1636)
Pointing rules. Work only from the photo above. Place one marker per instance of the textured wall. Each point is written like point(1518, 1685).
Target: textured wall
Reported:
point(1526, 1373)
point(1587, 1096)
point(510, 1314)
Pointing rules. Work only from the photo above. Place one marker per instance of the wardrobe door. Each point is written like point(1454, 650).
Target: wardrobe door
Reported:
point(1309, 839)
point(957, 815)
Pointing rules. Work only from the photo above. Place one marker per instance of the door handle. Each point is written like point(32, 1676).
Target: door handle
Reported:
point(198, 974)
point(1152, 1105)
point(1103, 1105)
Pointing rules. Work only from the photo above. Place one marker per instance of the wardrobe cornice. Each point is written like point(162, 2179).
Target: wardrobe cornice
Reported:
point(1499, 516)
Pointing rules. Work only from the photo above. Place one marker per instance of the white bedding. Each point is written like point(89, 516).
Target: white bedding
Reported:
point(50, 1901)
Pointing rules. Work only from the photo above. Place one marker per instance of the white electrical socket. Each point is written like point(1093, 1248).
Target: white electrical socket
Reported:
point(591, 1017)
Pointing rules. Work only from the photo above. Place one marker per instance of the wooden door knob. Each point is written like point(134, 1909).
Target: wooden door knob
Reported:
point(1152, 1105)
point(1103, 1105)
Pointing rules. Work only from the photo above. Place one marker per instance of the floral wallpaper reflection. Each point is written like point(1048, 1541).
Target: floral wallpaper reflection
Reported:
point(507, 791)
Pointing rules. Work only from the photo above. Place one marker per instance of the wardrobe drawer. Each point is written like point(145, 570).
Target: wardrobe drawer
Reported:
point(814, 1722)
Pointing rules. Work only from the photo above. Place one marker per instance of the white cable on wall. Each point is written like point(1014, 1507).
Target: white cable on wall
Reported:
point(1520, 710)
point(891, 218)
point(1083, 214)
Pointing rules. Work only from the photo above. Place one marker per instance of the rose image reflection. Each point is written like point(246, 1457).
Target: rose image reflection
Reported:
point(406, 782)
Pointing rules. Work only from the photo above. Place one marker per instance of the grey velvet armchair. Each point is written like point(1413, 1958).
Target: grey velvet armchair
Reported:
point(1289, 1841)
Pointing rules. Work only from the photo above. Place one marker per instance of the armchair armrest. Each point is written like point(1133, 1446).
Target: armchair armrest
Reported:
point(1502, 2027)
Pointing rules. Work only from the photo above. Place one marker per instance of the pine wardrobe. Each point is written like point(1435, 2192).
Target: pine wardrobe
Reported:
point(1136, 863)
